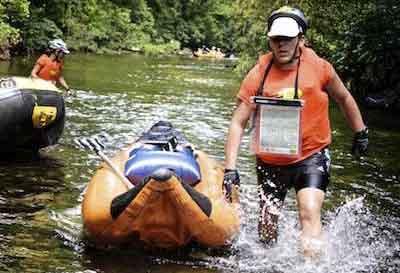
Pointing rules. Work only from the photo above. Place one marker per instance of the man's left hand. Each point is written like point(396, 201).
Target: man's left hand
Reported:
point(360, 143)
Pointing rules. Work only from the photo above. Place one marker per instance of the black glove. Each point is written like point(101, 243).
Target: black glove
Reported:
point(70, 91)
point(360, 143)
point(231, 177)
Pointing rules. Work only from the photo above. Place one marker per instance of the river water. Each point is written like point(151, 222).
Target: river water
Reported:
point(40, 219)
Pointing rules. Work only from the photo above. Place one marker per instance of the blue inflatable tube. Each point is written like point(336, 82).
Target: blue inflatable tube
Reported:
point(143, 162)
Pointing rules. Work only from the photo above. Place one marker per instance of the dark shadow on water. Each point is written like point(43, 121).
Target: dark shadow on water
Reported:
point(28, 184)
point(192, 258)
point(29, 158)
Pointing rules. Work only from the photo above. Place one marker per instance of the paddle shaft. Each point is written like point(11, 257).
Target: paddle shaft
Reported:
point(116, 171)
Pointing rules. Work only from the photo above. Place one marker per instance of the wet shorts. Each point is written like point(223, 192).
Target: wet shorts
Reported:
point(312, 172)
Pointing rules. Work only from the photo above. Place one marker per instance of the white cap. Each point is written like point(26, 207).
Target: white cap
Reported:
point(284, 26)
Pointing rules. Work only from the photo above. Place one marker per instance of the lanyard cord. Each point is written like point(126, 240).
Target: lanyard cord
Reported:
point(296, 81)
point(268, 69)
point(261, 87)
point(260, 91)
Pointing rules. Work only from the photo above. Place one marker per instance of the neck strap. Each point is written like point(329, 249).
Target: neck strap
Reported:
point(261, 87)
point(268, 69)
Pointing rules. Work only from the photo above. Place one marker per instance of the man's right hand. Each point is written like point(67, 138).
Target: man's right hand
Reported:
point(231, 178)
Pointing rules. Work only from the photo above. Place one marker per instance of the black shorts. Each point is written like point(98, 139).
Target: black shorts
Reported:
point(312, 172)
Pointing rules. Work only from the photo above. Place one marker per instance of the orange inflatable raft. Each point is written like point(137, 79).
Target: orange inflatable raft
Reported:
point(161, 211)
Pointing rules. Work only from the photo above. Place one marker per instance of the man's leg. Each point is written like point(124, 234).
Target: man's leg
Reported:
point(309, 202)
point(271, 195)
point(268, 219)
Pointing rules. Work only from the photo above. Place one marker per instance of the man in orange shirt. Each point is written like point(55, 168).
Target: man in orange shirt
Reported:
point(50, 65)
point(291, 66)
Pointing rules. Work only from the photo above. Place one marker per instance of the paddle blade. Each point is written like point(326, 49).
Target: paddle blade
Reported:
point(94, 143)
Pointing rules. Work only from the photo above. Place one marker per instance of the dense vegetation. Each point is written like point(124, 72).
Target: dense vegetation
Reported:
point(361, 38)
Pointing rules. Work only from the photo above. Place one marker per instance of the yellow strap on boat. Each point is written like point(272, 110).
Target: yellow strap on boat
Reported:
point(42, 116)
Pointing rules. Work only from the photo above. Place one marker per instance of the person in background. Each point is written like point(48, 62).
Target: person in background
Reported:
point(50, 65)
point(291, 65)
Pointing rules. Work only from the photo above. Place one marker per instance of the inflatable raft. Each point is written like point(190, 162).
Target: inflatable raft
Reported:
point(209, 54)
point(32, 114)
point(176, 197)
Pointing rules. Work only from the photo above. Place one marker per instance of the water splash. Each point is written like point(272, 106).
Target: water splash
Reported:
point(356, 240)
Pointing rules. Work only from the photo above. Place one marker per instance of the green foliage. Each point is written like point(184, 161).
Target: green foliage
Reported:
point(38, 32)
point(161, 49)
point(101, 25)
point(140, 14)
point(94, 25)
point(11, 13)
point(7, 33)
point(371, 49)
point(194, 23)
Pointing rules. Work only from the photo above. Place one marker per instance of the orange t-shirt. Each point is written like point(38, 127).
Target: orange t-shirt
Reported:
point(49, 70)
point(314, 74)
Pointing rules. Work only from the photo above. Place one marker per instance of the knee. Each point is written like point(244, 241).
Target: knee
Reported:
point(309, 202)
point(309, 213)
